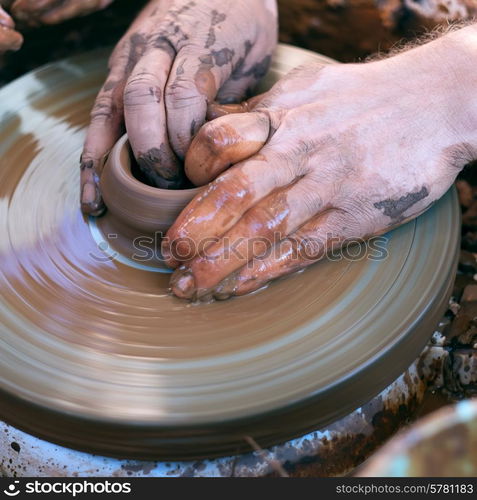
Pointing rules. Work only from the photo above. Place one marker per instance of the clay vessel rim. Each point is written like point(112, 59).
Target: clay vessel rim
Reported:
point(123, 172)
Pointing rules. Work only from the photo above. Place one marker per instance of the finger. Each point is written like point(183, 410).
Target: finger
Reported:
point(323, 233)
point(224, 142)
point(72, 8)
point(285, 94)
point(195, 79)
point(105, 128)
point(216, 109)
point(221, 205)
point(145, 117)
point(9, 39)
point(245, 76)
point(5, 19)
point(107, 122)
point(30, 10)
point(267, 223)
point(235, 89)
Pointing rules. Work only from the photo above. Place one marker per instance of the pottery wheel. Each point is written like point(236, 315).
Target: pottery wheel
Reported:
point(96, 355)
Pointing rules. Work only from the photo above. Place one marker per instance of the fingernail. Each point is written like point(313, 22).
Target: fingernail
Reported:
point(91, 202)
point(183, 283)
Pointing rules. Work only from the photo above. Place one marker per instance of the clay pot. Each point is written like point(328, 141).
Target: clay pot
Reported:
point(135, 204)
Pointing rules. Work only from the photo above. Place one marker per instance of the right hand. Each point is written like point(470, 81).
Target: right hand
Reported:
point(178, 56)
point(330, 156)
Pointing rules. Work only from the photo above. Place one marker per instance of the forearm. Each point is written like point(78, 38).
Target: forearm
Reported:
point(456, 54)
point(460, 50)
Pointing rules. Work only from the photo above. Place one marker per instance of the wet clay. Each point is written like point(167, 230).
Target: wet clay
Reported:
point(94, 344)
point(138, 214)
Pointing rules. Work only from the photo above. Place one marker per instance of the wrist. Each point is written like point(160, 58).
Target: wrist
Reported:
point(455, 61)
point(449, 67)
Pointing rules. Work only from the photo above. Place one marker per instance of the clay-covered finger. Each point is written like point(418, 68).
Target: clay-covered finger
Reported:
point(5, 19)
point(305, 247)
point(262, 226)
point(145, 116)
point(217, 109)
point(107, 116)
point(323, 233)
point(105, 128)
point(285, 94)
point(221, 205)
point(247, 73)
point(9, 39)
point(235, 89)
point(193, 84)
point(225, 142)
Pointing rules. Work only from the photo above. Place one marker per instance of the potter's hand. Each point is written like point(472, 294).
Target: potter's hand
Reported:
point(9, 38)
point(36, 12)
point(178, 56)
point(329, 154)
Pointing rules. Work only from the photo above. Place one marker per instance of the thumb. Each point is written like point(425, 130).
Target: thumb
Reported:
point(224, 142)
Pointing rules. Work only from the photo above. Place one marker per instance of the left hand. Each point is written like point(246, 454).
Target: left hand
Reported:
point(176, 57)
point(330, 154)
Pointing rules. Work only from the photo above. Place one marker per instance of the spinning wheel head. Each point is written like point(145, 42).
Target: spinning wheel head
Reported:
point(93, 344)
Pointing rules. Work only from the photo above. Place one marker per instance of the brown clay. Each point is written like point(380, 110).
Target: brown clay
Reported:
point(138, 214)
